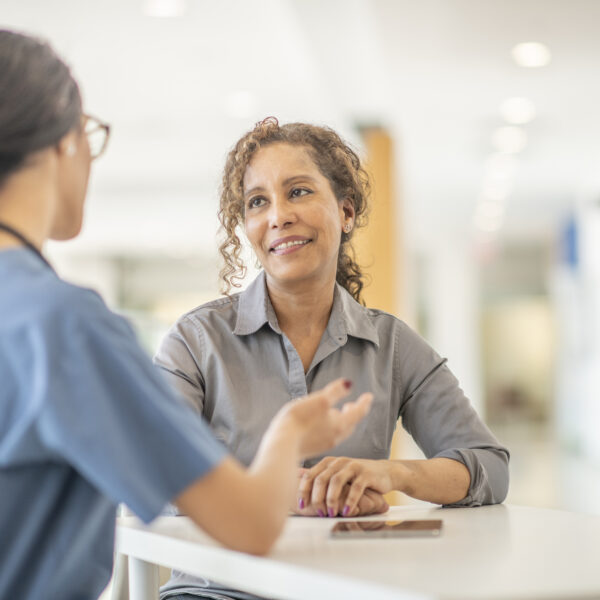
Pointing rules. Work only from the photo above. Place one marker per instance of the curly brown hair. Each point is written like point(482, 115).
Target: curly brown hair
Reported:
point(334, 159)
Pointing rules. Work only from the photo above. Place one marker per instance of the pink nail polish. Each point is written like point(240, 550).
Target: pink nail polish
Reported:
point(331, 512)
point(320, 512)
point(301, 503)
point(346, 511)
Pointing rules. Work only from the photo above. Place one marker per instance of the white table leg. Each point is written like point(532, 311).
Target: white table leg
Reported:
point(143, 580)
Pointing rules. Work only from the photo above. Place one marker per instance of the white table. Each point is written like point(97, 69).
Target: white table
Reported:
point(493, 552)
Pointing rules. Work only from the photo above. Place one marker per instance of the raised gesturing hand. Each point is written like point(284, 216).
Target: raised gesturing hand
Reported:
point(321, 426)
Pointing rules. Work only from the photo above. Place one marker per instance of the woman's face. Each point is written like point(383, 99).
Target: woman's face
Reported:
point(292, 218)
point(73, 175)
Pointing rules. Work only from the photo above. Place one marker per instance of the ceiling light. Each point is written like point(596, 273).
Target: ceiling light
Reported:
point(531, 54)
point(500, 167)
point(517, 111)
point(509, 139)
point(165, 8)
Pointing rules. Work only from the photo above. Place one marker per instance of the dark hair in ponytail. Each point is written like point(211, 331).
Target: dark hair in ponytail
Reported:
point(39, 99)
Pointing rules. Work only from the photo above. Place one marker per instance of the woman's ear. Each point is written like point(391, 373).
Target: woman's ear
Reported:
point(348, 211)
point(348, 208)
point(67, 145)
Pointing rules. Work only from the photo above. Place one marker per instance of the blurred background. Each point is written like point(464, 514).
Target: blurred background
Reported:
point(480, 121)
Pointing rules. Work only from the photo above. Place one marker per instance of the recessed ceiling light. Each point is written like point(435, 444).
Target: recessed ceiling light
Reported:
point(500, 167)
point(518, 111)
point(165, 8)
point(509, 139)
point(531, 54)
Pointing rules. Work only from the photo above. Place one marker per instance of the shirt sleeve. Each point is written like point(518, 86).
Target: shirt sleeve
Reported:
point(103, 410)
point(178, 357)
point(443, 423)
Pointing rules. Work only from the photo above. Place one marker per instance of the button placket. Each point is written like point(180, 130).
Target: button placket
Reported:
point(296, 377)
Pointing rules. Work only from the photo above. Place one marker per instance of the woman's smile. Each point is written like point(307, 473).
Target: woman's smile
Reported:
point(289, 244)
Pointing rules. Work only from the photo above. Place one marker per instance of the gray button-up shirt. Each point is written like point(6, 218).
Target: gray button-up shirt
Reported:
point(233, 364)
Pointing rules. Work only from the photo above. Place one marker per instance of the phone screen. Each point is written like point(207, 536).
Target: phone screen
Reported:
point(382, 529)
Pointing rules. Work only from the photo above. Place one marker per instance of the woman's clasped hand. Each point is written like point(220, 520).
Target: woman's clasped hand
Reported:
point(341, 486)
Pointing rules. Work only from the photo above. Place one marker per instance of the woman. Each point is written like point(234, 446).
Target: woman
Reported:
point(86, 421)
point(298, 193)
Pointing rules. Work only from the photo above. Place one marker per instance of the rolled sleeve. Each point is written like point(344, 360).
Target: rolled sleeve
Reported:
point(444, 424)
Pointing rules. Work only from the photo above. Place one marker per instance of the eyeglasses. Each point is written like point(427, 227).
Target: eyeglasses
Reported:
point(97, 133)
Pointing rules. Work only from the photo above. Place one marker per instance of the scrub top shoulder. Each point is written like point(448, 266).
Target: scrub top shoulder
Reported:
point(84, 425)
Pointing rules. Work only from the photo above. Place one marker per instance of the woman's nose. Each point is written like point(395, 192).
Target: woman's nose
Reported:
point(281, 214)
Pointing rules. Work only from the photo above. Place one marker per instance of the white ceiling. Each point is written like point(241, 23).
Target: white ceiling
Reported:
point(433, 71)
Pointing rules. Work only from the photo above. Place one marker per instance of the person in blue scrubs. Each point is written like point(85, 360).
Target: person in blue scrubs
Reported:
point(84, 424)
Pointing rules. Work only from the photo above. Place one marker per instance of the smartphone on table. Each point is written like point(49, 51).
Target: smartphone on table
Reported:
point(387, 529)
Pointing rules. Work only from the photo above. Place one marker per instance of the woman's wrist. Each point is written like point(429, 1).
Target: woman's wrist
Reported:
point(401, 475)
point(283, 436)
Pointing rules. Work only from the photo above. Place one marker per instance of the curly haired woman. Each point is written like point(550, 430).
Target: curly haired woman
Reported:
point(298, 192)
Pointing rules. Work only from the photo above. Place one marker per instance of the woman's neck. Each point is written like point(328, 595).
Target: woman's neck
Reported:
point(26, 205)
point(302, 307)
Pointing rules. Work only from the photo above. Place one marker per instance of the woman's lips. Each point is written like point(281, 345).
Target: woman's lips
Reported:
point(289, 247)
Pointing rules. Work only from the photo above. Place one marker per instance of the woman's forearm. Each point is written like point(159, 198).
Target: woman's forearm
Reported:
point(437, 480)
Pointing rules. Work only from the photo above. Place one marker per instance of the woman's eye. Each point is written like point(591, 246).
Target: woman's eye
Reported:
point(297, 192)
point(256, 202)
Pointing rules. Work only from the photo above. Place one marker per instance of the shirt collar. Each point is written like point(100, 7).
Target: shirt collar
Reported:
point(347, 317)
point(255, 308)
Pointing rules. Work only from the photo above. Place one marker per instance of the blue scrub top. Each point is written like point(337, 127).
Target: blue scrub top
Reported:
point(86, 422)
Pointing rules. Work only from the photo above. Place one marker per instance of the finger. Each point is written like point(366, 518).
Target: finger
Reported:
point(382, 508)
point(376, 501)
point(305, 512)
point(358, 510)
point(357, 489)
point(337, 483)
point(319, 490)
point(367, 504)
point(352, 413)
point(335, 391)
point(306, 483)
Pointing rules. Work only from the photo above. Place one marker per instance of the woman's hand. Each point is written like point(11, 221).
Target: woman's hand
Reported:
point(336, 485)
point(370, 503)
point(318, 425)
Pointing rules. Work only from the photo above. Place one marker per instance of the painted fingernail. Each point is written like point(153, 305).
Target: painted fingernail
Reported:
point(331, 512)
point(301, 503)
point(347, 384)
point(346, 511)
point(320, 512)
